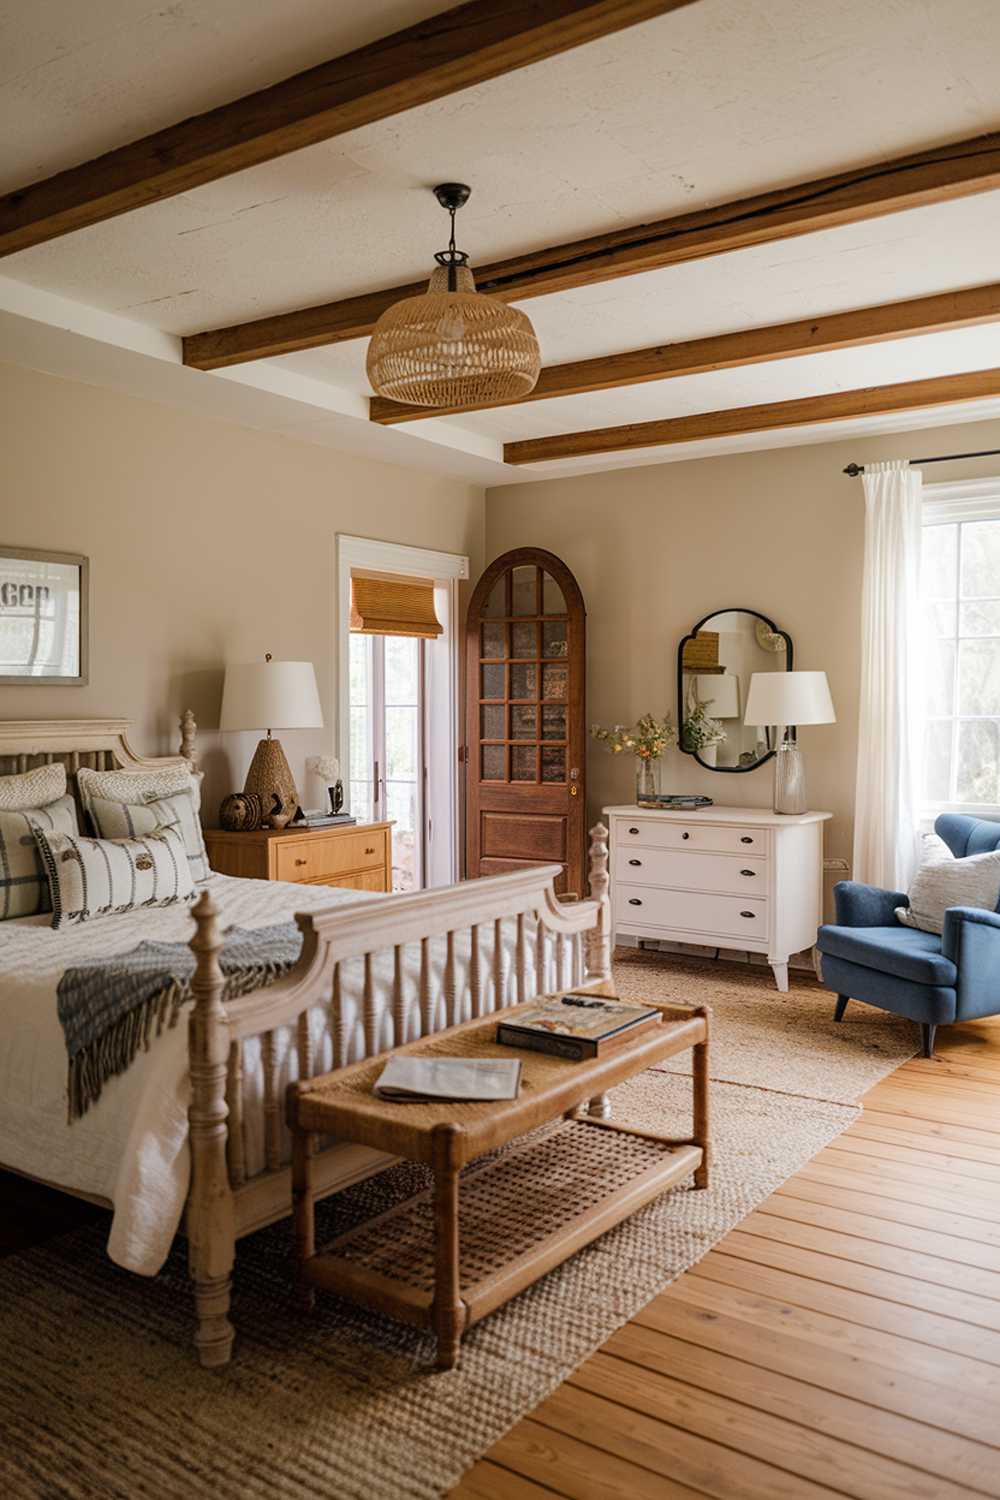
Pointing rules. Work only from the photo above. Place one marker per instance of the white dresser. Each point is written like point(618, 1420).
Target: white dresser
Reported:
point(725, 877)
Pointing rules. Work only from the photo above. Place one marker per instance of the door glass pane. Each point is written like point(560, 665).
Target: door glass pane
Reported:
point(493, 682)
point(492, 762)
point(937, 761)
point(494, 640)
point(491, 721)
point(524, 583)
point(553, 602)
point(555, 682)
point(554, 638)
point(360, 791)
point(522, 723)
point(402, 755)
point(522, 763)
point(553, 763)
point(980, 559)
point(496, 604)
point(979, 762)
point(524, 640)
point(523, 681)
point(939, 562)
point(979, 678)
point(553, 723)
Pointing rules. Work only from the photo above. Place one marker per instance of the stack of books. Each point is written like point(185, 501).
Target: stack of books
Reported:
point(577, 1026)
point(323, 820)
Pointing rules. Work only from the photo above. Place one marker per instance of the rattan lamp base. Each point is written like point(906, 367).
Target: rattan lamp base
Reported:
point(271, 779)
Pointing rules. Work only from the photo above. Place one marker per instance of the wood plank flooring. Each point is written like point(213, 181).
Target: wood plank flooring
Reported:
point(844, 1340)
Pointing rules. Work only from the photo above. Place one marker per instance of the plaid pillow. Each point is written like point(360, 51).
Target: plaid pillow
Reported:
point(24, 886)
point(113, 819)
point(101, 877)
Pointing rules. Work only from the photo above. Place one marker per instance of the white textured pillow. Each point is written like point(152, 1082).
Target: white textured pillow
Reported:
point(127, 820)
point(136, 787)
point(943, 881)
point(35, 788)
point(24, 886)
point(101, 877)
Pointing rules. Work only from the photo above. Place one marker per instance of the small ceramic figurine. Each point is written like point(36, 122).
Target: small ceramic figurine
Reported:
point(336, 796)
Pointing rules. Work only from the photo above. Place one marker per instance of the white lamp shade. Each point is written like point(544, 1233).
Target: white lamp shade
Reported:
point(789, 698)
point(721, 692)
point(270, 695)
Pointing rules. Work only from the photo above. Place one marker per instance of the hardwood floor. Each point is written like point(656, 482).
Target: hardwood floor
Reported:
point(844, 1340)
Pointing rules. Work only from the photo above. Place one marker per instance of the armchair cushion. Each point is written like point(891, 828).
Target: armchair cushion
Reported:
point(905, 952)
point(865, 905)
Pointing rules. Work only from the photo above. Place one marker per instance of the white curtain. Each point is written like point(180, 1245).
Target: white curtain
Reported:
point(890, 723)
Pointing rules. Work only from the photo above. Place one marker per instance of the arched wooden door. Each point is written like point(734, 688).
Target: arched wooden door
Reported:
point(525, 651)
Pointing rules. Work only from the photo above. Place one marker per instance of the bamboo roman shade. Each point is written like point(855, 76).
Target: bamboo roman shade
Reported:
point(393, 606)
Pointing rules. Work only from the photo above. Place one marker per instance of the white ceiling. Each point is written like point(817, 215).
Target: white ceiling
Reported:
point(719, 100)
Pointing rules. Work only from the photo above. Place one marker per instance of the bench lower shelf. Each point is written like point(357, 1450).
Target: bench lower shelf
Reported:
point(520, 1213)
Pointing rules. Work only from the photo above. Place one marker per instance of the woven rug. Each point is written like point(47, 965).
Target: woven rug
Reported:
point(101, 1398)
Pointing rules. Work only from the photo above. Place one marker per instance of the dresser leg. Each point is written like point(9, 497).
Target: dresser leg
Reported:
point(780, 971)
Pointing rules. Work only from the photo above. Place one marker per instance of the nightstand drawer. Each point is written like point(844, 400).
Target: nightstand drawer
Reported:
point(303, 858)
point(692, 870)
point(645, 907)
point(706, 836)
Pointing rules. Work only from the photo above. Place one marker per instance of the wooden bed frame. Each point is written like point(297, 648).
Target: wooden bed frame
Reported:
point(224, 1202)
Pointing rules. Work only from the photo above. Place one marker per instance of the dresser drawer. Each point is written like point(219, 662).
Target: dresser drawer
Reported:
point(305, 859)
point(692, 870)
point(714, 838)
point(690, 911)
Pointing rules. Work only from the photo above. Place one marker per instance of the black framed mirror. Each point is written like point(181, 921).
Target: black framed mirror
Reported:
point(715, 662)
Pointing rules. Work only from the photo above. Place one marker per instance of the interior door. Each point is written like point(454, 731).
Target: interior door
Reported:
point(526, 718)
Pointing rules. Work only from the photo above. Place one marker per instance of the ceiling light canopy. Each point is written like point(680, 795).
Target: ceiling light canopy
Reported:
point(453, 346)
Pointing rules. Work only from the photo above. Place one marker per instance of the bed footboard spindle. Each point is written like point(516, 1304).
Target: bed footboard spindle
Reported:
point(210, 1216)
point(450, 998)
point(339, 1032)
point(520, 962)
point(498, 976)
point(425, 987)
point(304, 1046)
point(561, 963)
point(475, 975)
point(398, 1003)
point(368, 1010)
point(541, 957)
point(599, 936)
point(272, 1107)
point(234, 1102)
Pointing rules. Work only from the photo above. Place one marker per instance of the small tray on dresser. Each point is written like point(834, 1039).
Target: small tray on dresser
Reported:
point(523, 1211)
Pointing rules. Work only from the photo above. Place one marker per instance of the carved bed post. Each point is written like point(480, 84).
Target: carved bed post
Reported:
point(599, 936)
point(189, 736)
point(210, 1217)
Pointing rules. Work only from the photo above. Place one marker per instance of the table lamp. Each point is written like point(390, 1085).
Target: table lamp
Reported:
point(271, 695)
point(786, 699)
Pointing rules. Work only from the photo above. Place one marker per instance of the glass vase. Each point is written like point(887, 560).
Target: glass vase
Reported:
point(647, 781)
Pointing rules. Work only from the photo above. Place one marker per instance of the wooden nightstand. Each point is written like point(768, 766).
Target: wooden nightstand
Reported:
point(357, 856)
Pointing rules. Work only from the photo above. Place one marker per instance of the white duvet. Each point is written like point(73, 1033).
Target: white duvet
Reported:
point(131, 1148)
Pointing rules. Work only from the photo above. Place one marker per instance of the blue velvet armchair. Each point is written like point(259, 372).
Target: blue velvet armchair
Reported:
point(868, 955)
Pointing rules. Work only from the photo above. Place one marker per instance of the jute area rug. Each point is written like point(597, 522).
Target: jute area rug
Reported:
point(100, 1395)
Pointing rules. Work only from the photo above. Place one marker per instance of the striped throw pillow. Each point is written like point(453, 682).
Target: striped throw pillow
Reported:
point(102, 877)
point(113, 819)
point(24, 886)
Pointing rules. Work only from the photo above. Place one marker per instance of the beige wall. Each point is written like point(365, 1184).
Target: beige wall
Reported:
point(207, 542)
point(656, 548)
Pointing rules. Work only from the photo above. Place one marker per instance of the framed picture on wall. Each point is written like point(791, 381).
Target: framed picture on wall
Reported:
point(43, 617)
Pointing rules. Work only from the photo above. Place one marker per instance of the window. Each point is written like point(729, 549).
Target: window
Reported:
point(960, 587)
point(387, 745)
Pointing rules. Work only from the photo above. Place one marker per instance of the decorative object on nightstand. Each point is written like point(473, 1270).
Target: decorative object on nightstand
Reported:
point(355, 856)
point(240, 812)
point(327, 768)
point(720, 877)
point(647, 739)
point(273, 695)
point(785, 700)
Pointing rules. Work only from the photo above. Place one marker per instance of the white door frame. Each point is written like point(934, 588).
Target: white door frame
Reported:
point(445, 570)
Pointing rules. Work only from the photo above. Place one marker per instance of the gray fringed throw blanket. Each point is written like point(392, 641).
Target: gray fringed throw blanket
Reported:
point(109, 1006)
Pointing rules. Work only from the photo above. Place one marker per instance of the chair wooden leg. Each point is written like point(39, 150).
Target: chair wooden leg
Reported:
point(841, 1006)
point(927, 1032)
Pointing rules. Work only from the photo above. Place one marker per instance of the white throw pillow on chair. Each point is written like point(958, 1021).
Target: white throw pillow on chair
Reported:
point(943, 881)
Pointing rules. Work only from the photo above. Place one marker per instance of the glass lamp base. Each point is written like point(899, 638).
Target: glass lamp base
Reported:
point(789, 779)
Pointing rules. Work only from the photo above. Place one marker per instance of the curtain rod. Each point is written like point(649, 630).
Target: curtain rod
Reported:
point(942, 458)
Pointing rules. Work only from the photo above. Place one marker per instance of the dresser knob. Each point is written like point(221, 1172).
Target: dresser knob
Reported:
point(750, 914)
point(369, 851)
point(633, 830)
point(685, 835)
point(636, 862)
point(750, 873)
point(634, 901)
point(301, 861)
point(746, 839)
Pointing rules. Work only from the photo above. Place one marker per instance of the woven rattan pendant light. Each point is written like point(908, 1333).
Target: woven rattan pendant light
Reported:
point(453, 346)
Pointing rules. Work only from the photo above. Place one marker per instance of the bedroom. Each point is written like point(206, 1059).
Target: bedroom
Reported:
point(183, 344)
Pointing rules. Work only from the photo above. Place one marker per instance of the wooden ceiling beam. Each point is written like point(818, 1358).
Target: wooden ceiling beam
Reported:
point(726, 351)
point(871, 401)
point(450, 51)
point(924, 177)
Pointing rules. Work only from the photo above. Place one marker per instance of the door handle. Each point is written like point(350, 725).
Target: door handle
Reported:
point(634, 901)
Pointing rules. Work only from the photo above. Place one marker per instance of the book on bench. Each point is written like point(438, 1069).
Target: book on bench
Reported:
point(455, 1079)
point(577, 1026)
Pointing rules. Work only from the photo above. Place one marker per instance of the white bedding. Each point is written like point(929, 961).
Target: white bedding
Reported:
point(131, 1147)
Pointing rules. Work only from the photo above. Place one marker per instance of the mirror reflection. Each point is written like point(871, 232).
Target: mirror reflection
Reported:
point(715, 664)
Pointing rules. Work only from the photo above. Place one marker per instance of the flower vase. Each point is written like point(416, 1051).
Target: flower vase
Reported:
point(709, 754)
point(647, 781)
